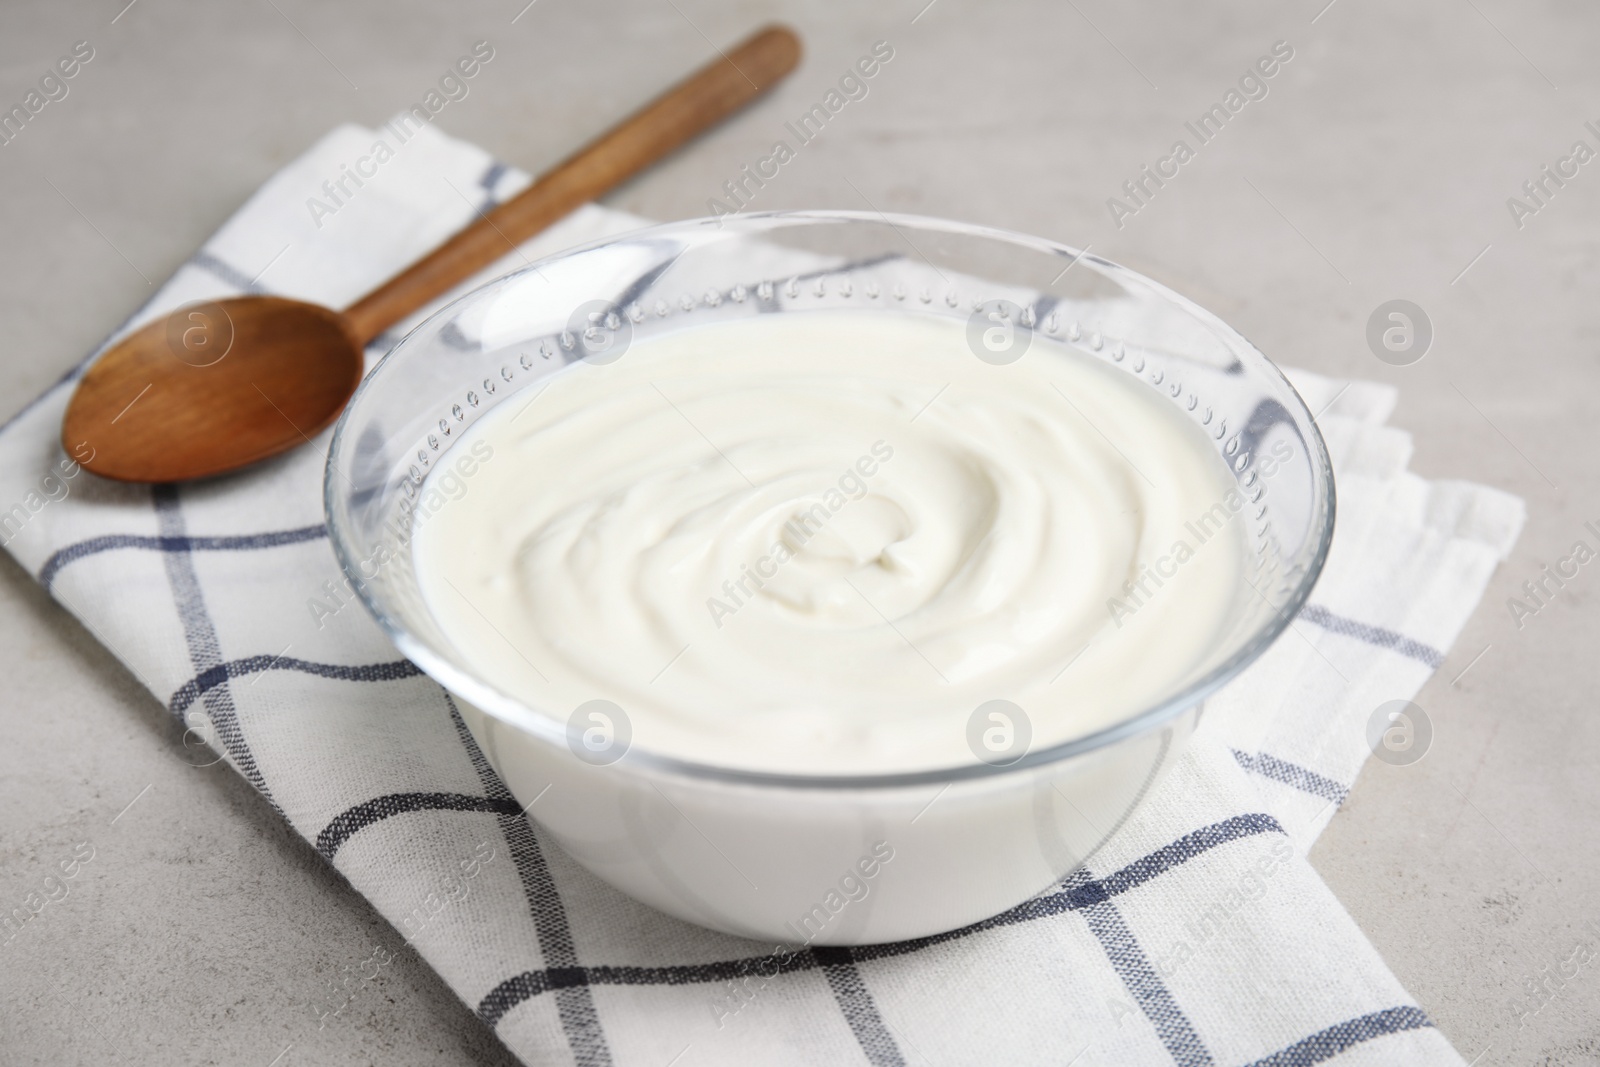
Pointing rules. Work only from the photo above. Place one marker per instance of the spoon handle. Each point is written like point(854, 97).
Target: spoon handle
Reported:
point(701, 100)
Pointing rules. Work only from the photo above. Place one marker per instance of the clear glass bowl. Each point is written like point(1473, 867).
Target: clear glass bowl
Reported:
point(824, 859)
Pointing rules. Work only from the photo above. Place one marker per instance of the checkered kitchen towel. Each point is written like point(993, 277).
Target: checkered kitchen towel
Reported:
point(1200, 936)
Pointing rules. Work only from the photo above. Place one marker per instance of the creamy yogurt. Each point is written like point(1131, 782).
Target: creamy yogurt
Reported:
point(818, 542)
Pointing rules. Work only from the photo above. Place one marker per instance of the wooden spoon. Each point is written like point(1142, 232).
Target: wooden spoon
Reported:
point(215, 386)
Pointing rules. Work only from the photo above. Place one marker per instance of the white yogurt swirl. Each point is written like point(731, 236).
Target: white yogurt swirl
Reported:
point(816, 542)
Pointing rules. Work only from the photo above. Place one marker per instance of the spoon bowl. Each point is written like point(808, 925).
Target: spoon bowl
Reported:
point(212, 387)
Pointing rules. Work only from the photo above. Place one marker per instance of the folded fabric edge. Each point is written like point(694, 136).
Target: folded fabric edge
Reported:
point(1469, 511)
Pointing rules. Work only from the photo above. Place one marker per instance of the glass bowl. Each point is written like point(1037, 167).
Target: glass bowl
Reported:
point(824, 859)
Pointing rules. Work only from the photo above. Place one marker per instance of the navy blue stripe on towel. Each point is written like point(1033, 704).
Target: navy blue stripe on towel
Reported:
point(859, 1009)
point(1171, 1025)
point(212, 677)
point(200, 635)
point(1372, 635)
point(513, 991)
point(1326, 1044)
point(1184, 849)
point(1292, 774)
point(241, 542)
point(225, 272)
point(348, 823)
point(575, 1007)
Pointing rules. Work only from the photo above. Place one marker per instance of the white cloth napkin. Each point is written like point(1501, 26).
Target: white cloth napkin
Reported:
point(1200, 936)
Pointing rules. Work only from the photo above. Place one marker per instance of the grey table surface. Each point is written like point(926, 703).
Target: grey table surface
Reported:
point(1378, 166)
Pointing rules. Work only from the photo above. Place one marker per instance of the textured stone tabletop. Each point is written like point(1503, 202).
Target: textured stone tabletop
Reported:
point(1378, 165)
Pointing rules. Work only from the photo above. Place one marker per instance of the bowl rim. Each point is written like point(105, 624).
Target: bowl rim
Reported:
point(523, 716)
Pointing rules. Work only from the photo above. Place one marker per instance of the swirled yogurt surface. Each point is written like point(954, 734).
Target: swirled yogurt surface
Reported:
point(816, 542)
